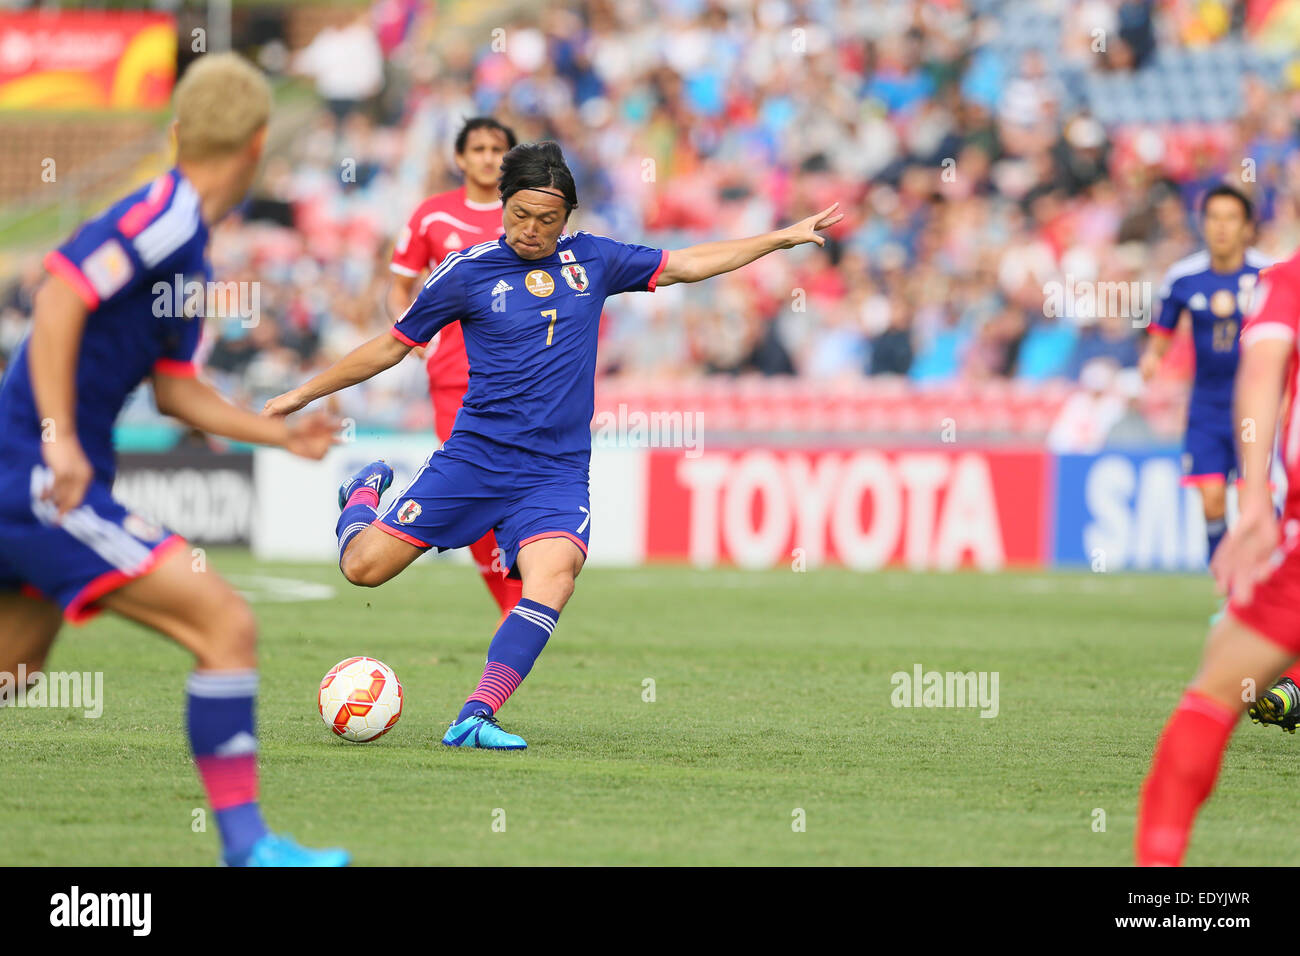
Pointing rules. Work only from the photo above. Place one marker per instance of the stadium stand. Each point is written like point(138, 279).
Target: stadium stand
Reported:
point(982, 168)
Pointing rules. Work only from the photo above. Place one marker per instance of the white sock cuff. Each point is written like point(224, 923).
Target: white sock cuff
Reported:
point(240, 683)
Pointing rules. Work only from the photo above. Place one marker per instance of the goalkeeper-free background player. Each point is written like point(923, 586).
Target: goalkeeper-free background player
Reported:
point(517, 462)
point(1213, 288)
point(68, 550)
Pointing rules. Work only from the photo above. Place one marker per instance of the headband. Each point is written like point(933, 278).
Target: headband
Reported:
point(541, 189)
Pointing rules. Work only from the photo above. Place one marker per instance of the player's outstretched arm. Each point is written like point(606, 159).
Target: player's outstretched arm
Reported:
point(58, 320)
point(710, 259)
point(363, 362)
point(202, 406)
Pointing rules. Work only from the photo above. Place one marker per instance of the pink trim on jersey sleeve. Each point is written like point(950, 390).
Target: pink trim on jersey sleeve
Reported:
point(406, 339)
point(57, 264)
point(654, 279)
point(142, 213)
point(1154, 329)
point(175, 368)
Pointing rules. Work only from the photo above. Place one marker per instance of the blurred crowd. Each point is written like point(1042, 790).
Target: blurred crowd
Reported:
point(974, 177)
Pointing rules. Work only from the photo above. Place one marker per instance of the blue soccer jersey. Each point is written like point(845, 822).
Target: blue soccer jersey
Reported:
point(126, 265)
point(133, 267)
point(1216, 301)
point(530, 329)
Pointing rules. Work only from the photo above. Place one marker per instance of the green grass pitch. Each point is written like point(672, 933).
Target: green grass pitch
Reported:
point(772, 695)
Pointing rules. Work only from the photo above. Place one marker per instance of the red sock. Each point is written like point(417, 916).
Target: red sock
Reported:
point(1183, 771)
point(513, 589)
point(505, 591)
point(1292, 672)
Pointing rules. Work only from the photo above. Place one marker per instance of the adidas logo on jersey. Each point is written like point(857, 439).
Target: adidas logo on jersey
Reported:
point(502, 286)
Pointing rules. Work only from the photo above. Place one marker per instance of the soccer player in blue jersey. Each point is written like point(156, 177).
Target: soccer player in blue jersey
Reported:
point(1214, 287)
point(104, 321)
point(517, 461)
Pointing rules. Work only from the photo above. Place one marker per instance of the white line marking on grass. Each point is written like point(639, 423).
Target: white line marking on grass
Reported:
point(264, 589)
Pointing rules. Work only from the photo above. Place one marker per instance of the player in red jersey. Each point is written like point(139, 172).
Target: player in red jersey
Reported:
point(443, 224)
point(1258, 566)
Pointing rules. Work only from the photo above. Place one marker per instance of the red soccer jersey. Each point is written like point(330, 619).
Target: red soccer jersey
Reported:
point(1274, 609)
point(441, 225)
point(1275, 314)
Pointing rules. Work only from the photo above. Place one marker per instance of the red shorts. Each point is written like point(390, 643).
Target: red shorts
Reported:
point(1274, 611)
point(446, 403)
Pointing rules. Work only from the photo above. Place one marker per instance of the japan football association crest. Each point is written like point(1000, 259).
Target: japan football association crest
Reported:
point(576, 276)
point(138, 527)
point(408, 512)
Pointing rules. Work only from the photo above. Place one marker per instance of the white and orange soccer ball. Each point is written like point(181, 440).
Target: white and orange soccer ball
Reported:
point(360, 699)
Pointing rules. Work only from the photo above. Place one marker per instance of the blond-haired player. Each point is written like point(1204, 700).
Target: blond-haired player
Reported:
point(104, 321)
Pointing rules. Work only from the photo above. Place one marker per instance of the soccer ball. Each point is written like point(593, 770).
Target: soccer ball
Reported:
point(360, 699)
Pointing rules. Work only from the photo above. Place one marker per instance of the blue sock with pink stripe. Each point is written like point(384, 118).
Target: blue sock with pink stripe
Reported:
point(357, 514)
point(219, 716)
point(515, 648)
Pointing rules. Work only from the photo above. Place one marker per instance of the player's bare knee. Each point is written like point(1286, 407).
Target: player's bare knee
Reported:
point(230, 638)
point(553, 589)
point(363, 569)
point(563, 591)
point(1214, 502)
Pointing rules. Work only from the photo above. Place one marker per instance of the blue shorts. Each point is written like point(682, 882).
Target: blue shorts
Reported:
point(1209, 447)
point(473, 484)
point(74, 561)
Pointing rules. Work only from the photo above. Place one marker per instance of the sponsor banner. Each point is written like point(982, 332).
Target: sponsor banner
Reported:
point(1127, 511)
point(203, 496)
point(863, 508)
point(86, 60)
point(297, 500)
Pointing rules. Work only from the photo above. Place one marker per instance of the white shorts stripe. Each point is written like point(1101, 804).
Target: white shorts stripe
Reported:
point(108, 540)
point(409, 485)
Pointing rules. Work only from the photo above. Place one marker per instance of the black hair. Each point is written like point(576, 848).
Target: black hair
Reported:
point(483, 122)
point(1223, 189)
point(537, 166)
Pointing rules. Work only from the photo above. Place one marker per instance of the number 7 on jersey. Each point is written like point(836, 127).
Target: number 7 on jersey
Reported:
point(550, 329)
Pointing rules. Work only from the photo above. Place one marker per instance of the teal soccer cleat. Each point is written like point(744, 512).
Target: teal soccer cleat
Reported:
point(482, 732)
point(377, 475)
point(274, 850)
